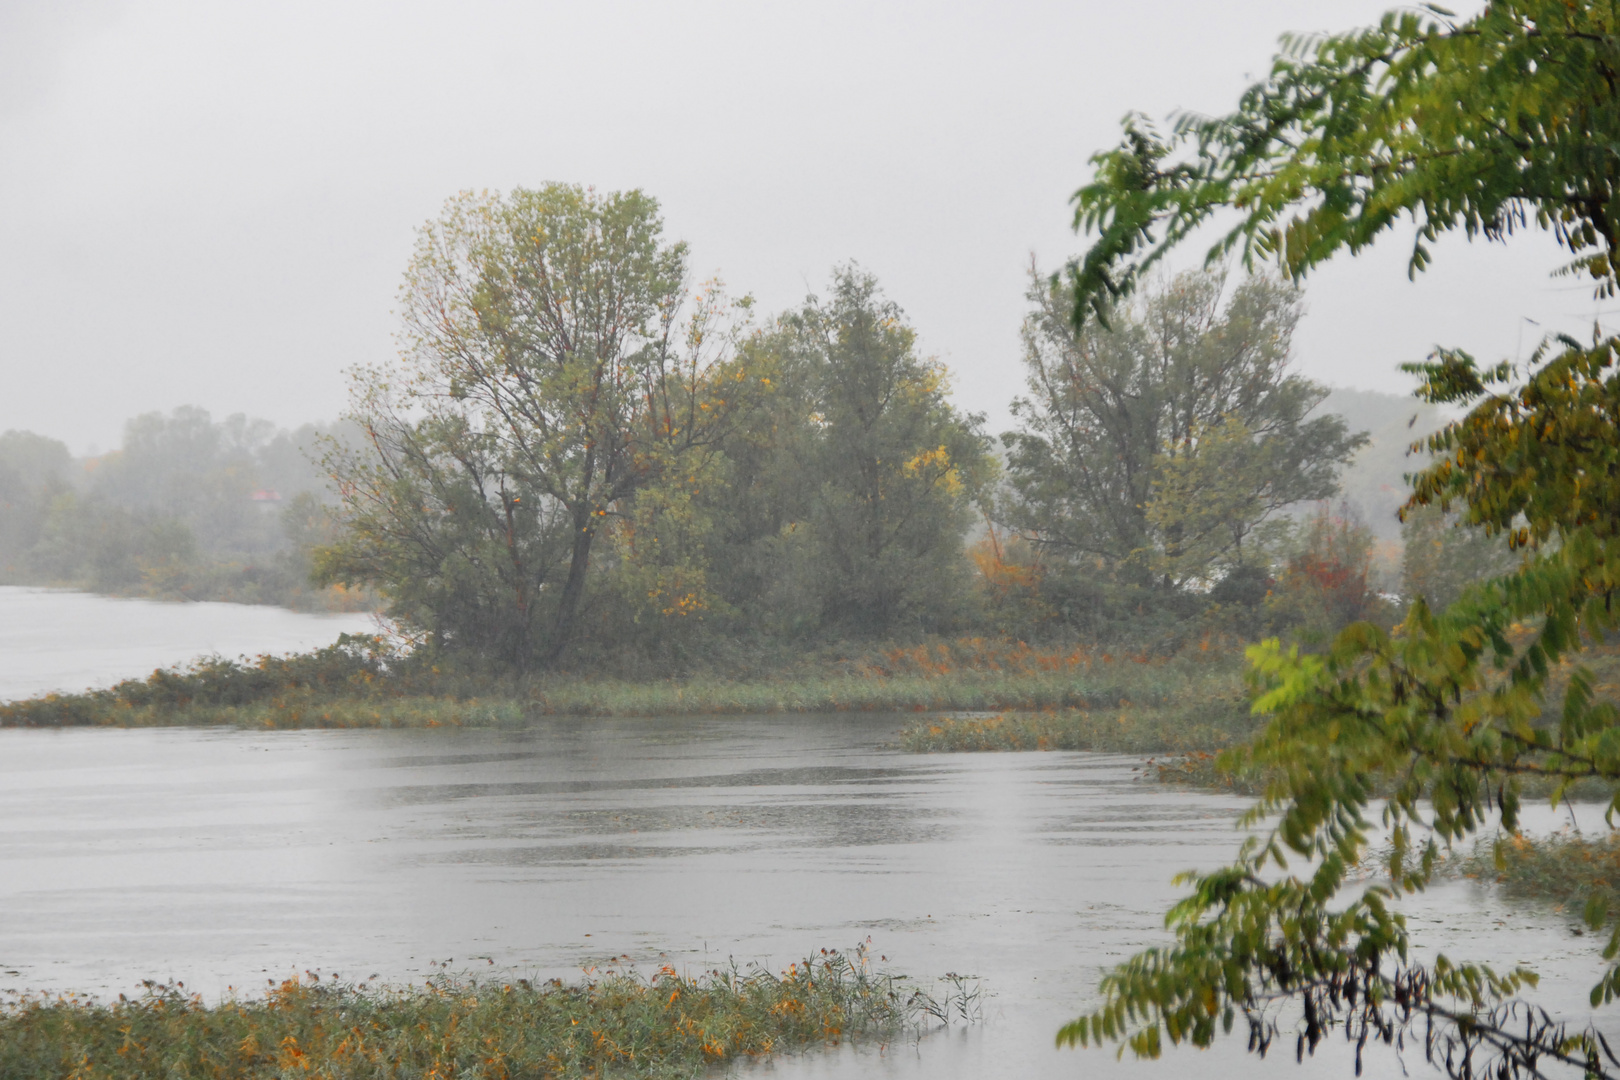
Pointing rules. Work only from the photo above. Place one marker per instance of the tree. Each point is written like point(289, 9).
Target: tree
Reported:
point(1488, 125)
point(546, 379)
point(1158, 444)
point(844, 507)
point(766, 492)
point(895, 466)
point(1485, 125)
point(1325, 581)
point(33, 472)
point(1441, 556)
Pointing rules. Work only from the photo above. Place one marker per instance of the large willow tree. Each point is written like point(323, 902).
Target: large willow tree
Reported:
point(1504, 121)
point(552, 374)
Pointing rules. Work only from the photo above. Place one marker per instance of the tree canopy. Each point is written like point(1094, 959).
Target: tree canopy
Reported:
point(1485, 125)
point(551, 371)
point(575, 445)
point(1155, 448)
point(843, 506)
point(894, 466)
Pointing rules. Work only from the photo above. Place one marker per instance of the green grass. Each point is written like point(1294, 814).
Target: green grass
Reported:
point(1182, 705)
point(1174, 728)
point(620, 1025)
point(357, 684)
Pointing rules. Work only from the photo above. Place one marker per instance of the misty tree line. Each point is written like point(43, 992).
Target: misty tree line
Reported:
point(172, 513)
point(580, 457)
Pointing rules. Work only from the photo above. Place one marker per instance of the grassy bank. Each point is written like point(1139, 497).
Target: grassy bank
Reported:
point(618, 1025)
point(357, 684)
point(1202, 719)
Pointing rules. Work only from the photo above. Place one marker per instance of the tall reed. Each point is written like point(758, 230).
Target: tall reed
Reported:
point(664, 1026)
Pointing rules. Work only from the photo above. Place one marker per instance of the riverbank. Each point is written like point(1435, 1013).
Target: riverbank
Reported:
point(666, 1025)
point(1073, 698)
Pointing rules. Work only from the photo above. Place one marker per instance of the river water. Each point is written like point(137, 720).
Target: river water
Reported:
point(54, 639)
point(226, 858)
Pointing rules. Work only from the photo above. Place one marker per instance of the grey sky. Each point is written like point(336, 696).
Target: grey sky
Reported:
point(212, 203)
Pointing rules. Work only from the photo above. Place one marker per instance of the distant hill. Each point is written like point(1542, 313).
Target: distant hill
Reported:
point(1374, 482)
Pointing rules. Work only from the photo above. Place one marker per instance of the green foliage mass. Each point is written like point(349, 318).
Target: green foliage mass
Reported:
point(1446, 718)
point(868, 492)
point(579, 456)
point(1484, 125)
point(547, 380)
point(1153, 453)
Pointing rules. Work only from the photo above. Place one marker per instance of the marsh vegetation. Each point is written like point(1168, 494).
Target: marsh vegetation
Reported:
point(621, 1024)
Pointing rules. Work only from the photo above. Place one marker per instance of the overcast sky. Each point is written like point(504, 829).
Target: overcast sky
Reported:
point(212, 204)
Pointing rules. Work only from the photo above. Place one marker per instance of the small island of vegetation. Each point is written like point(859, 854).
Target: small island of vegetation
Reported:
point(698, 510)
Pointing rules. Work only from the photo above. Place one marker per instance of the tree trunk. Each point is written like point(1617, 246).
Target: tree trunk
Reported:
point(574, 587)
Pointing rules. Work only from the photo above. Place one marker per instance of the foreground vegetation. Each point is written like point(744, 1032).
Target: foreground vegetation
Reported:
point(1481, 125)
point(626, 1025)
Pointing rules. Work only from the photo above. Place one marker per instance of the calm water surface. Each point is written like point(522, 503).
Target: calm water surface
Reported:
point(53, 639)
point(225, 858)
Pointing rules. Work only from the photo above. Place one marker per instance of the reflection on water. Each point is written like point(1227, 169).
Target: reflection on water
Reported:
point(227, 858)
point(56, 640)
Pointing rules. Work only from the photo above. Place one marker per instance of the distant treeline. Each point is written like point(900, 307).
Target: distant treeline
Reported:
point(186, 508)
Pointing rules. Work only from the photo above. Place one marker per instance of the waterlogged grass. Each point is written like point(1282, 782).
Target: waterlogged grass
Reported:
point(1185, 709)
point(621, 1025)
point(358, 684)
point(1178, 708)
point(296, 710)
point(961, 689)
point(1127, 730)
point(1567, 870)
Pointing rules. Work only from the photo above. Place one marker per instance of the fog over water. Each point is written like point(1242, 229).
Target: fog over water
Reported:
point(213, 204)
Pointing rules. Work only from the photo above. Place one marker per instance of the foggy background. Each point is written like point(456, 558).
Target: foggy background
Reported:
point(213, 204)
